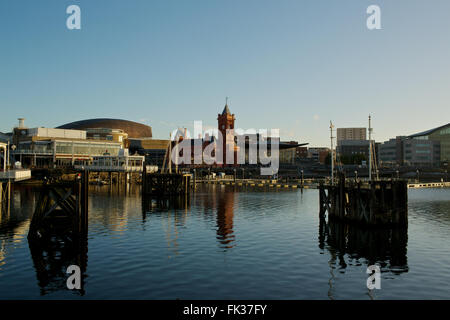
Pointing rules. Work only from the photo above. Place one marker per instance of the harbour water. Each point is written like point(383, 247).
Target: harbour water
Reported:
point(227, 243)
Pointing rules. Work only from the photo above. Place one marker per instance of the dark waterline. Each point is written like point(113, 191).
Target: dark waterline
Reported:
point(225, 244)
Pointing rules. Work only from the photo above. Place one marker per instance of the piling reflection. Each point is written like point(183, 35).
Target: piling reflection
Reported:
point(349, 243)
point(51, 260)
point(162, 204)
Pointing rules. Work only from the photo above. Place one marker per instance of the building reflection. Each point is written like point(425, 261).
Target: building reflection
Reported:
point(384, 246)
point(225, 216)
point(175, 209)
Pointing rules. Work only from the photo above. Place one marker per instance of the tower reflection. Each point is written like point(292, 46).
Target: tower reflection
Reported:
point(225, 216)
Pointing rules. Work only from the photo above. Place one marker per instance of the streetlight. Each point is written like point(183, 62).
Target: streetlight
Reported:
point(418, 177)
point(356, 175)
point(398, 174)
point(302, 178)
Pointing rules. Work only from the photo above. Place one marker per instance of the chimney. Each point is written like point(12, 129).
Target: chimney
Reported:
point(21, 123)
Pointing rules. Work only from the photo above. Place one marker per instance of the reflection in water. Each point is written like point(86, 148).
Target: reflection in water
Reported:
point(164, 204)
point(51, 257)
point(51, 260)
point(225, 215)
point(386, 247)
point(175, 207)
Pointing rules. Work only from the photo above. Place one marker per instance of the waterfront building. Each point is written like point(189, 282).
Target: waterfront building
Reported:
point(418, 152)
point(428, 148)
point(225, 125)
point(354, 150)
point(301, 152)
point(154, 150)
point(52, 148)
point(319, 154)
point(5, 137)
point(108, 134)
point(131, 128)
point(351, 134)
point(440, 134)
point(391, 152)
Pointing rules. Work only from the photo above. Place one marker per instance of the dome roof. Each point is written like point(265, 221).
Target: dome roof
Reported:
point(134, 129)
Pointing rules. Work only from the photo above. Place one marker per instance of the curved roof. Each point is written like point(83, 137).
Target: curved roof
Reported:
point(134, 129)
point(425, 133)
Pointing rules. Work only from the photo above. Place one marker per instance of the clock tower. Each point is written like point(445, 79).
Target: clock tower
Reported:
point(226, 128)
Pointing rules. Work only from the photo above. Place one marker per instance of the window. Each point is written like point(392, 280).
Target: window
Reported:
point(444, 131)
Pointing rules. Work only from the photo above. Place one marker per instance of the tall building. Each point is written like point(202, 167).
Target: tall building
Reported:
point(226, 128)
point(354, 149)
point(351, 134)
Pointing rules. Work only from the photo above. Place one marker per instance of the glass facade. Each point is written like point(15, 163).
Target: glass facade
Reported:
point(87, 148)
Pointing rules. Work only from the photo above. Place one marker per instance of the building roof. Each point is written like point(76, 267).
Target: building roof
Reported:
point(425, 133)
point(134, 129)
point(226, 110)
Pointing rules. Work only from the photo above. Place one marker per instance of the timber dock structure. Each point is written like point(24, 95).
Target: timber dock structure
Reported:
point(377, 202)
point(62, 210)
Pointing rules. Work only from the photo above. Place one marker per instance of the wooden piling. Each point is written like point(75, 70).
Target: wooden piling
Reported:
point(372, 203)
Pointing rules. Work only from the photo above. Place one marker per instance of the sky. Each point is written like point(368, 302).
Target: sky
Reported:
point(292, 65)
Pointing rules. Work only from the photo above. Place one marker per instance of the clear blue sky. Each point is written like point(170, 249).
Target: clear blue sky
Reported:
point(292, 65)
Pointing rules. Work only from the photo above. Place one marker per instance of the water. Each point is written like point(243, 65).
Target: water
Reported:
point(222, 244)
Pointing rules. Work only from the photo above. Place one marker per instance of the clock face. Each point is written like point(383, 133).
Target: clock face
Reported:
point(23, 132)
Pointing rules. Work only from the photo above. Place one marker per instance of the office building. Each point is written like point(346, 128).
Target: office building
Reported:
point(351, 134)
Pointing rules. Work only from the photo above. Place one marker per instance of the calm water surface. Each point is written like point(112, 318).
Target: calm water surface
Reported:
point(226, 244)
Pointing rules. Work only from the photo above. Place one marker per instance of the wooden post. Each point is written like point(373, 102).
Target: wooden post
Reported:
point(321, 202)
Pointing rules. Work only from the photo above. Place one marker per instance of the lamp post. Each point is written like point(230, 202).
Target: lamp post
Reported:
point(302, 178)
point(418, 176)
point(398, 174)
point(243, 176)
point(356, 175)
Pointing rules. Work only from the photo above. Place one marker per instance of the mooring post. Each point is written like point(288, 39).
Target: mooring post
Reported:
point(85, 199)
point(321, 201)
point(144, 179)
point(341, 213)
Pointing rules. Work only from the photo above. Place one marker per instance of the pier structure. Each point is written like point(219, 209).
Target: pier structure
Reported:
point(165, 184)
point(61, 210)
point(375, 202)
